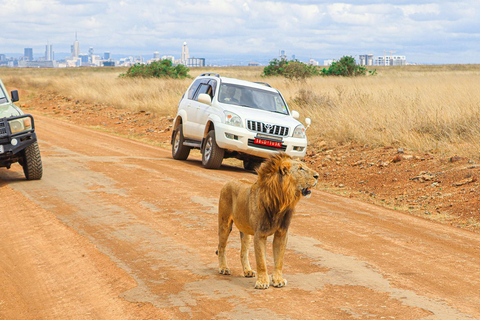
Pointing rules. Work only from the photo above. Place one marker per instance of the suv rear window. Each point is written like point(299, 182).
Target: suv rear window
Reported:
point(193, 88)
point(202, 86)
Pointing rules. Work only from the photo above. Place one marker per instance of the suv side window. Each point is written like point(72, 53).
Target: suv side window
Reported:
point(205, 88)
point(193, 88)
point(213, 83)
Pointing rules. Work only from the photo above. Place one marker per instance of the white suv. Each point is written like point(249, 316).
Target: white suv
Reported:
point(226, 118)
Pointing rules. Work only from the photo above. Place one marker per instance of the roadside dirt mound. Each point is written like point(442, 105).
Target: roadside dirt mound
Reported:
point(438, 187)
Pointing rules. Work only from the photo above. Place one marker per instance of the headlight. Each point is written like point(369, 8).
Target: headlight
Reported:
point(233, 119)
point(19, 125)
point(299, 131)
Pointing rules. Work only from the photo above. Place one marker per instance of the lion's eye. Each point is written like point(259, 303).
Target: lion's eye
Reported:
point(301, 168)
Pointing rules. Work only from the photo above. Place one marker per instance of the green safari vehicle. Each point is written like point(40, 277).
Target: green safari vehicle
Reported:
point(18, 141)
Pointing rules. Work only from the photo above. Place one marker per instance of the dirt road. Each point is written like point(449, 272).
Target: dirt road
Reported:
point(117, 229)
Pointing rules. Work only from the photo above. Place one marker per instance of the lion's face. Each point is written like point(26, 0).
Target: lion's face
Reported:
point(303, 177)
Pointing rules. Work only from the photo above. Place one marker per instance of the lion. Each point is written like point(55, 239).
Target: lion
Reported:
point(261, 209)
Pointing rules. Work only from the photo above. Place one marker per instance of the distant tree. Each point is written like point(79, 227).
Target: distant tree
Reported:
point(290, 69)
point(346, 67)
point(157, 69)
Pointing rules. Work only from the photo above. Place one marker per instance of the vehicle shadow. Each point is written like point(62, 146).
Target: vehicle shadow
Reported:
point(8, 176)
point(223, 168)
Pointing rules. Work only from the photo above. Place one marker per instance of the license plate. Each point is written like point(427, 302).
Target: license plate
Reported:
point(268, 143)
point(1, 148)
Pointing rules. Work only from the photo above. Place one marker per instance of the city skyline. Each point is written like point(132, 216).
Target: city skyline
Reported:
point(238, 32)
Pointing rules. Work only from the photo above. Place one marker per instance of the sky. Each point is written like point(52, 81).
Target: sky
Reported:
point(241, 31)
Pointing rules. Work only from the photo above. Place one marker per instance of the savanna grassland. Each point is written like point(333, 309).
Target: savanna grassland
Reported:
point(422, 108)
point(406, 138)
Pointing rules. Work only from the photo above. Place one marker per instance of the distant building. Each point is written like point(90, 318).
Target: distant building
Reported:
point(107, 56)
point(76, 47)
point(366, 60)
point(313, 62)
point(195, 62)
point(36, 64)
point(329, 62)
point(398, 61)
point(28, 54)
point(156, 55)
point(390, 61)
point(185, 54)
point(83, 59)
point(95, 60)
point(49, 52)
point(254, 64)
point(171, 58)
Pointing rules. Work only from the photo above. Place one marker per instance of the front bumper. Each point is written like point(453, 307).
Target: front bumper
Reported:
point(243, 140)
point(12, 144)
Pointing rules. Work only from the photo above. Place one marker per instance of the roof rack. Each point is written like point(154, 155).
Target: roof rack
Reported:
point(210, 74)
point(264, 83)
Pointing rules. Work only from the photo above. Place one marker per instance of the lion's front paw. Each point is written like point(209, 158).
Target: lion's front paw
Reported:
point(249, 273)
point(225, 271)
point(262, 283)
point(279, 282)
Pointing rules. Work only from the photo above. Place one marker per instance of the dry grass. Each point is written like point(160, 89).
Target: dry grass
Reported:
point(423, 108)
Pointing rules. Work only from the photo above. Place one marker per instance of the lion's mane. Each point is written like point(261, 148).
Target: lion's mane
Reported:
point(277, 191)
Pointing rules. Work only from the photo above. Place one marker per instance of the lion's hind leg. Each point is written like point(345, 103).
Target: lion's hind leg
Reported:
point(247, 270)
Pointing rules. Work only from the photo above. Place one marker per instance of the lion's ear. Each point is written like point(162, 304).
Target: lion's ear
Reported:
point(284, 168)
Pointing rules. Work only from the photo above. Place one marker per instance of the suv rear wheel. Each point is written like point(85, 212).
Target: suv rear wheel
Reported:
point(32, 162)
point(212, 154)
point(179, 150)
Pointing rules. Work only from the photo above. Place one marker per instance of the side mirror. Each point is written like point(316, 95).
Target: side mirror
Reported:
point(295, 114)
point(204, 98)
point(308, 122)
point(14, 94)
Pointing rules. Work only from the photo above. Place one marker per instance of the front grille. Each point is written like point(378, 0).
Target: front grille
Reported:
point(267, 128)
point(3, 128)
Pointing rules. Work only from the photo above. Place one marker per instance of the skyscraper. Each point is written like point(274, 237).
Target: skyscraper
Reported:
point(185, 54)
point(49, 52)
point(28, 54)
point(76, 47)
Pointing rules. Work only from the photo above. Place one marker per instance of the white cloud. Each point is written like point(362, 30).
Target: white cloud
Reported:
point(421, 30)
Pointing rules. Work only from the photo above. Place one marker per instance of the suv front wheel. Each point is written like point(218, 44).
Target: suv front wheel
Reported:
point(179, 150)
point(32, 162)
point(212, 154)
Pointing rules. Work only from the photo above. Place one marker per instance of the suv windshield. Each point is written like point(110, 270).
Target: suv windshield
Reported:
point(252, 98)
point(3, 97)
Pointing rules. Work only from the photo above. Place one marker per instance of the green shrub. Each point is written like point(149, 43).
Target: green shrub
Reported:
point(292, 69)
point(345, 67)
point(157, 69)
